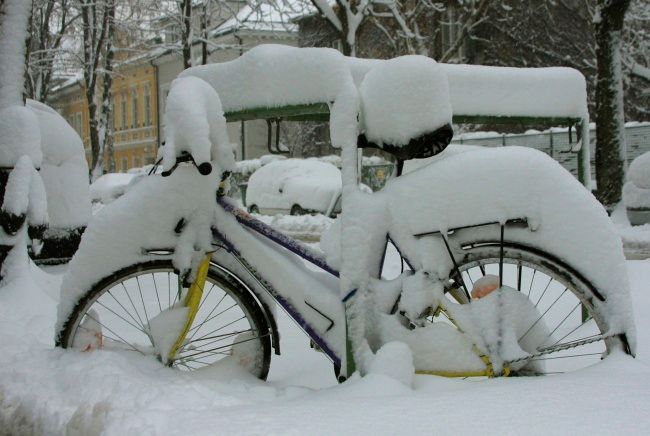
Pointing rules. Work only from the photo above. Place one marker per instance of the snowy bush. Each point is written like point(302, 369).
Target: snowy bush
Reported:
point(636, 192)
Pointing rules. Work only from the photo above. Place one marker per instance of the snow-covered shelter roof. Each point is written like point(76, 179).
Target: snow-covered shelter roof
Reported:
point(271, 81)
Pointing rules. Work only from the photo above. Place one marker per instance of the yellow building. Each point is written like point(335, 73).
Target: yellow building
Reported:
point(135, 116)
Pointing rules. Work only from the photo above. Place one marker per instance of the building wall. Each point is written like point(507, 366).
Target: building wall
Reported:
point(135, 119)
point(254, 132)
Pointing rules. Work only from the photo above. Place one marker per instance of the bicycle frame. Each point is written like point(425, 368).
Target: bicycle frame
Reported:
point(293, 246)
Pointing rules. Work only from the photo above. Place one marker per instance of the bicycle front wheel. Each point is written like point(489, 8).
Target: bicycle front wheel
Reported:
point(115, 316)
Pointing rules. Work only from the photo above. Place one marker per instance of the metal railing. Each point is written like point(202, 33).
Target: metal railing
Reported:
point(555, 143)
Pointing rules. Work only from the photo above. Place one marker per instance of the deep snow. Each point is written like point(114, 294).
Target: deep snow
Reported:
point(53, 391)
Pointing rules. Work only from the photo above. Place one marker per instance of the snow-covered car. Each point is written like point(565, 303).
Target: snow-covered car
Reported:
point(636, 192)
point(295, 186)
point(110, 186)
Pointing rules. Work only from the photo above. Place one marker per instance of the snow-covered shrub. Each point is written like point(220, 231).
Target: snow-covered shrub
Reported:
point(636, 191)
point(65, 175)
point(111, 186)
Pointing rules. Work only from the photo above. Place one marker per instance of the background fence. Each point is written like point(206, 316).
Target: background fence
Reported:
point(555, 143)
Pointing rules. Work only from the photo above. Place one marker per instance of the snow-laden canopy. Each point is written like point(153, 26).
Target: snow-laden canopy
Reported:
point(271, 76)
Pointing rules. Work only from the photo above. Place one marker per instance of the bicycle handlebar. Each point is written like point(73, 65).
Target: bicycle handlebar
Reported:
point(204, 168)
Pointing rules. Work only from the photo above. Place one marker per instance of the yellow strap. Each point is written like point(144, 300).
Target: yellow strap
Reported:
point(192, 301)
point(487, 372)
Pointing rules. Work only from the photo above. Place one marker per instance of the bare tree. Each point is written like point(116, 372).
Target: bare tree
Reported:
point(610, 136)
point(636, 60)
point(97, 30)
point(49, 23)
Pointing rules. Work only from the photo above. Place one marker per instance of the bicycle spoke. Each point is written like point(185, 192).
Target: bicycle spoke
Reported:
point(224, 337)
point(169, 290)
point(565, 318)
point(226, 346)
point(155, 286)
point(196, 329)
point(144, 306)
point(564, 357)
point(205, 297)
point(532, 280)
point(121, 317)
point(542, 315)
point(223, 326)
point(572, 331)
point(125, 310)
point(550, 279)
point(105, 336)
point(136, 310)
point(121, 338)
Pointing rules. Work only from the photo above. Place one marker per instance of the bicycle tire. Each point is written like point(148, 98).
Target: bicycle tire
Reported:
point(545, 280)
point(147, 275)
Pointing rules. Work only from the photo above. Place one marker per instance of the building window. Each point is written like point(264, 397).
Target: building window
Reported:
point(123, 112)
point(147, 106)
point(135, 109)
point(125, 164)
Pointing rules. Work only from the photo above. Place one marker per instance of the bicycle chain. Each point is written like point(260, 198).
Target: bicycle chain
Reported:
point(562, 347)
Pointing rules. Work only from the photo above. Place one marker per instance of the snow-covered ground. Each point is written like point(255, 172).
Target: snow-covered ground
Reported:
point(52, 391)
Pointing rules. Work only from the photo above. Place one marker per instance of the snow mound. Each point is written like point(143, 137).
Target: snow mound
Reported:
point(639, 171)
point(394, 360)
point(64, 169)
point(635, 197)
point(111, 186)
point(20, 136)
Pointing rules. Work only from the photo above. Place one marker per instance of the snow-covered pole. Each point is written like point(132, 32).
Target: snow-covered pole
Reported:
point(22, 195)
point(584, 156)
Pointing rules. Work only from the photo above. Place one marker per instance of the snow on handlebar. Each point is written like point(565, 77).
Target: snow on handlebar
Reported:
point(195, 128)
point(204, 168)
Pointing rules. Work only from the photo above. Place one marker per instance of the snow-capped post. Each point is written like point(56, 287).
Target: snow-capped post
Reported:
point(22, 195)
point(610, 135)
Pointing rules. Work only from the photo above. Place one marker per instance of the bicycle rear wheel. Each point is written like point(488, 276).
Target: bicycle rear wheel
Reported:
point(569, 330)
point(115, 315)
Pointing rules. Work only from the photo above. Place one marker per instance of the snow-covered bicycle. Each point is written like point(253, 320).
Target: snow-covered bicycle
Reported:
point(512, 267)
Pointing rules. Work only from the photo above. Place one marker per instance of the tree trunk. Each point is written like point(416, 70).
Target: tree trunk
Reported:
point(106, 125)
point(205, 23)
point(610, 133)
point(187, 33)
